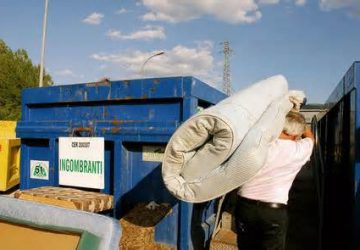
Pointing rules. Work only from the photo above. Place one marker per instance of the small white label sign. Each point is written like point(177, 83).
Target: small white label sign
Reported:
point(81, 162)
point(153, 153)
point(39, 170)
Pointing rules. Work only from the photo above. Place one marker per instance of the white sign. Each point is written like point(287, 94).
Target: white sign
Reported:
point(81, 162)
point(39, 170)
point(153, 153)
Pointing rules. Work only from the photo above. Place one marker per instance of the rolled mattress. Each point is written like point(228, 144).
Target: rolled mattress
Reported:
point(225, 145)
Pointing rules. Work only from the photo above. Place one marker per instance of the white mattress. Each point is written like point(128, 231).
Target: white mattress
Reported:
point(221, 147)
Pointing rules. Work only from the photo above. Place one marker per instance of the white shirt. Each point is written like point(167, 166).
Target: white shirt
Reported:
point(273, 182)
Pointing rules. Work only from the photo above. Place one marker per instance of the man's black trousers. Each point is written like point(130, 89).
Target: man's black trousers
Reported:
point(260, 226)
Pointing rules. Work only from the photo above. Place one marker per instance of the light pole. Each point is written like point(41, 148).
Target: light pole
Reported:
point(43, 46)
point(148, 59)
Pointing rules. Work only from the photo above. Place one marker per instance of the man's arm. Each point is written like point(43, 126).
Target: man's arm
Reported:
point(305, 146)
point(308, 134)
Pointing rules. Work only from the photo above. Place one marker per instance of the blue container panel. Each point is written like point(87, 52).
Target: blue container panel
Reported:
point(357, 74)
point(336, 95)
point(355, 149)
point(129, 115)
point(171, 87)
point(47, 150)
point(142, 178)
point(341, 155)
point(205, 93)
point(349, 82)
point(141, 182)
point(167, 231)
point(114, 91)
point(93, 111)
point(39, 150)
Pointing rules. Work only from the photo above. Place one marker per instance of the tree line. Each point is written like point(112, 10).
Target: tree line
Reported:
point(16, 73)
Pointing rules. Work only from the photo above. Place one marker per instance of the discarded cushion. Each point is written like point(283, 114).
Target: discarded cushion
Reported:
point(102, 232)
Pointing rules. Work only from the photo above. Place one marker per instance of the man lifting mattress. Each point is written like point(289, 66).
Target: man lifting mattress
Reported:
point(222, 147)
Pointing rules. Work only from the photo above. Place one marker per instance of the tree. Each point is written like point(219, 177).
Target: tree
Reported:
point(16, 73)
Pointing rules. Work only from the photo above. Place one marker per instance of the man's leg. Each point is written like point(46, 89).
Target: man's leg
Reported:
point(247, 227)
point(274, 228)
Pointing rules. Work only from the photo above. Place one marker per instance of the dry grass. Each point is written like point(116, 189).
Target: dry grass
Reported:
point(138, 228)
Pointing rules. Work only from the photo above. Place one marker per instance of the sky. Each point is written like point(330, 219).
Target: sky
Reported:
point(311, 42)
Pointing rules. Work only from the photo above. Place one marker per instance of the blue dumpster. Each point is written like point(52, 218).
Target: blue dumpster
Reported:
point(136, 118)
point(340, 177)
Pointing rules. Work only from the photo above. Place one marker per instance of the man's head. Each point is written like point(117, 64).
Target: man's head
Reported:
point(294, 125)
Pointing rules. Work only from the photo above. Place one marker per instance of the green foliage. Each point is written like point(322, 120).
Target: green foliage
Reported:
point(16, 73)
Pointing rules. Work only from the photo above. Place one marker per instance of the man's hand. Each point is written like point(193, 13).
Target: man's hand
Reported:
point(308, 134)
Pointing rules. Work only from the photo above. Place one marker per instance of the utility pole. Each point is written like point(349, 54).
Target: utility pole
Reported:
point(41, 77)
point(226, 74)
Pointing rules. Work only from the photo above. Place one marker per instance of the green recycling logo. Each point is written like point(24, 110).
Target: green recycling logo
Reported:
point(39, 169)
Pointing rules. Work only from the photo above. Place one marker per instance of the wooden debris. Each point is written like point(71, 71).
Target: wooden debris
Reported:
point(68, 198)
